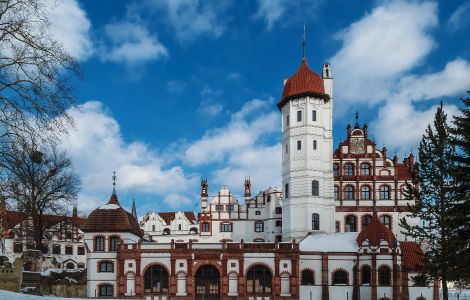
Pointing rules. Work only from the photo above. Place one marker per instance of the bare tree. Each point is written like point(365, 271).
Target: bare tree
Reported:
point(38, 178)
point(35, 70)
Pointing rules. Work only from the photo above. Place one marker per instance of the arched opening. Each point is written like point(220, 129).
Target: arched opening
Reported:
point(385, 192)
point(384, 276)
point(106, 290)
point(340, 277)
point(307, 278)
point(70, 266)
point(365, 169)
point(365, 274)
point(386, 220)
point(166, 231)
point(193, 230)
point(207, 283)
point(351, 223)
point(156, 280)
point(365, 192)
point(349, 192)
point(259, 280)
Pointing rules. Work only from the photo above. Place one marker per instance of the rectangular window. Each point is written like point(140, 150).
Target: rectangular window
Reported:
point(257, 213)
point(205, 227)
point(299, 116)
point(337, 226)
point(226, 227)
point(279, 223)
point(55, 249)
point(278, 210)
point(287, 148)
point(68, 250)
point(315, 188)
point(259, 226)
point(286, 191)
point(314, 115)
point(299, 145)
point(231, 207)
point(81, 250)
point(314, 145)
point(287, 121)
point(18, 247)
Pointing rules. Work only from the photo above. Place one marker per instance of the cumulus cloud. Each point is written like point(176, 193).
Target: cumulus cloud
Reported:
point(130, 42)
point(176, 200)
point(191, 19)
point(379, 48)
point(70, 26)
point(241, 148)
point(97, 148)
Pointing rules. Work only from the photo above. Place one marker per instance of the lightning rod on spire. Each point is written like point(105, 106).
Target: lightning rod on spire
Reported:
point(304, 42)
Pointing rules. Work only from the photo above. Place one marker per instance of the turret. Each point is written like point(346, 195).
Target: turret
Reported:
point(247, 190)
point(327, 76)
point(204, 195)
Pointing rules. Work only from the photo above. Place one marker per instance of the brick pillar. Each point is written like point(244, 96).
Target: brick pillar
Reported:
point(173, 279)
point(241, 278)
point(295, 278)
point(325, 293)
point(404, 283)
point(224, 277)
point(189, 277)
point(396, 278)
point(139, 285)
point(373, 279)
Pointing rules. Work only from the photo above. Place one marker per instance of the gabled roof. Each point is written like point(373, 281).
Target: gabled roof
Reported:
point(168, 217)
point(112, 218)
point(304, 82)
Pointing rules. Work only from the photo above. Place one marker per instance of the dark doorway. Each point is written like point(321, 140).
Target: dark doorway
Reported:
point(207, 283)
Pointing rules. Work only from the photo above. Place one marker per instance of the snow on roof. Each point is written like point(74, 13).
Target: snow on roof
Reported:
point(330, 242)
point(109, 206)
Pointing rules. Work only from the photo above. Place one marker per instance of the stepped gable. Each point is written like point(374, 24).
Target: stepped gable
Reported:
point(111, 217)
point(304, 82)
point(168, 217)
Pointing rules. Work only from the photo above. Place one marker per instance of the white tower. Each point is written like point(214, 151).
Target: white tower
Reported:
point(307, 153)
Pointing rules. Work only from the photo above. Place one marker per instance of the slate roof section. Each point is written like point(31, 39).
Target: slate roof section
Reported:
point(112, 218)
point(304, 82)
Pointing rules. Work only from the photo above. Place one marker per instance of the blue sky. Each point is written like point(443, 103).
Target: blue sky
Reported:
point(176, 90)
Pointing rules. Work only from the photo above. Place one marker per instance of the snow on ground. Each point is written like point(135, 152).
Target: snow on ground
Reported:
point(6, 295)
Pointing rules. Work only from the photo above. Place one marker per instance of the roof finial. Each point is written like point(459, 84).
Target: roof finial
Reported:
point(304, 42)
point(114, 182)
point(356, 125)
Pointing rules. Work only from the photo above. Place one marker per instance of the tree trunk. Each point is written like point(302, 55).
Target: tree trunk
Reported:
point(445, 291)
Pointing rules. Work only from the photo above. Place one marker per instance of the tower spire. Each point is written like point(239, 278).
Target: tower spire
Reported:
point(304, 42)
point(114, 182)
point(356, 125)
point(134, 210)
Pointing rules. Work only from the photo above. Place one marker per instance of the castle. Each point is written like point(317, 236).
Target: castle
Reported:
point(330, 232)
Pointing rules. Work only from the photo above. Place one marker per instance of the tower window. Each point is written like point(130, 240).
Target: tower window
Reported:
point(299, 145)
point(287, 148)
point(314, 145)
point(286, 190)
point(315, 221)
point(315, 188)
point(314, 115)
point(299, 116)
point(287, 121)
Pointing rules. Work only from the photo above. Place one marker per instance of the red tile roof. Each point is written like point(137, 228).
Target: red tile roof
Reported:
point(403, 172)
point(376, 232)
point(112, 218)
point(170, 216)
point(304, 82)
point(413, 256)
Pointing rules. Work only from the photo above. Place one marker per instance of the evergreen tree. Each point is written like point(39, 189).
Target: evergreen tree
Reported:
point(461, 140)
point(433, 187)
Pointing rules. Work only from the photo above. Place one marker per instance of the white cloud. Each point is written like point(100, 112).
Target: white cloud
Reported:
point(176, 200)
point(459, 18)
point(271, 11)
point(97, 148)
point(70, 26)
point(210, 109)
point(380, 48)
point(191, 19)
point(130, 42)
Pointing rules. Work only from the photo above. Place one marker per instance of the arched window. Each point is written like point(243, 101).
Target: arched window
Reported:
point(384, 275)
point(348, 169)
point(113, 243)
point(365, 192)
point(315, 188)
point(307, 278)
point(385, 192)
point(335, 170)
point(156, 280)
point(315, 221)
point(70, 266)
point(349, 192)
point(365, 274)
point(106, 290)
point(340, 277)
point(166, 231)
point(259, 226)
point(386, 220)
point(106, 266)
point(193, 230)
point(179, 226)
point(366, 220)
point(351, 223)
point(336, 192)
point(365, 169)
point(259, 280)
point(99, 243)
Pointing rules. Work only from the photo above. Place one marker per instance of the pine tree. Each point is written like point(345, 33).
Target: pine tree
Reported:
point(435, 196)
point(461, 140)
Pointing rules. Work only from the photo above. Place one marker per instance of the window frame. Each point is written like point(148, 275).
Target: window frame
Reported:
point(365, 192)
point(113, 243)
point(344, 279)
point(381, 280)
point(362, 169)
point(348, 224)
point(348, 192)
point(314, 115)
point(100, 246)
point(106, 294)
point(348, 169)
point(299, 116)
point(315, 188)
point(259, 226)
point(299, 145)
point(314, 144)
point(315, 221)
point(106, 266)
point(68, 250)
point(336, 170)
point(307, 280)
point(203, 227)
point(226, 227)
point(384, 192)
